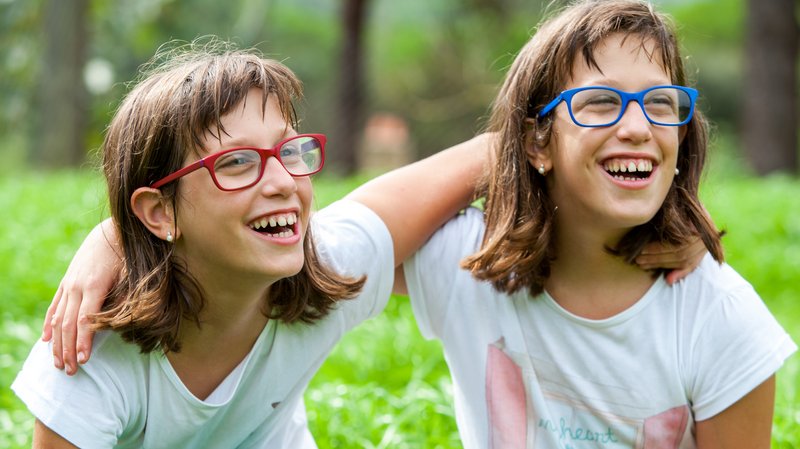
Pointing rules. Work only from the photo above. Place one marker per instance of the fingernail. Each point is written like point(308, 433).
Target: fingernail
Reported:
point(59, 364)
point(70, 370)
point(81, 357)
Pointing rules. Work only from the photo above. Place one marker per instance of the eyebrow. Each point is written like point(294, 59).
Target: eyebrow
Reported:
point(240, 142)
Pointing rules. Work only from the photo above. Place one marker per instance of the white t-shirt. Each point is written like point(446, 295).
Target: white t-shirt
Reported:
point(125, 399)
point(529, 374)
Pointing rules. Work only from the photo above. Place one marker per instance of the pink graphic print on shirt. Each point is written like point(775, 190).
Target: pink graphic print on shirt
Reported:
point(505, 394)
point(513, 426)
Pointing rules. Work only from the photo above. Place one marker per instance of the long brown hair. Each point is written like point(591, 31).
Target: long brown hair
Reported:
point(517, 247)
point(184, 91)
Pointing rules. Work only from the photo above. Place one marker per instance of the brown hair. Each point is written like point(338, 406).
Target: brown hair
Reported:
point(185, 90)
point(517, 247)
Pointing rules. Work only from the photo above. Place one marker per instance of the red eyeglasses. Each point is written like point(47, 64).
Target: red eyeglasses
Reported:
point(240, 168)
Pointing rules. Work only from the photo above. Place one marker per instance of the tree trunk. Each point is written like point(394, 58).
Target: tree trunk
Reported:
point(350, 118)
point(60, 134)
point(769, 118)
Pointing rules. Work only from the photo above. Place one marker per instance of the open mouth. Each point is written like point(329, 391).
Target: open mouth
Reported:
point(629, 169)
point(279, 225)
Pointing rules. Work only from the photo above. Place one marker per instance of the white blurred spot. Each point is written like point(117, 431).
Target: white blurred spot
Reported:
point(98, 75)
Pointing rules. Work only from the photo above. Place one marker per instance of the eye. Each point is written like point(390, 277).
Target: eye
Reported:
point(601, 99)
point(290, 150)
point(237, 161)
point(596, 101)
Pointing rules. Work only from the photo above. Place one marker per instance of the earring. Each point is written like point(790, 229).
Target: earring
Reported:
point(677, 172)
point(541, 169)
point(169, 237)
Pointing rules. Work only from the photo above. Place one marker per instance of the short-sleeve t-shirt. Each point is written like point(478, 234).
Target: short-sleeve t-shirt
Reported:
point(124, 399)
point(529, 374)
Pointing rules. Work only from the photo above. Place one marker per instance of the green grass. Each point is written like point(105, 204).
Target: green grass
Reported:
point(383, 387)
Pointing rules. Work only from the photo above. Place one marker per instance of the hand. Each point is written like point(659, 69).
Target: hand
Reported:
point(681, 260)
point(81, 293)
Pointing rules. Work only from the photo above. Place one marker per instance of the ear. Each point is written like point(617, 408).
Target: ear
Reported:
point(154, 211)
point(538, 154)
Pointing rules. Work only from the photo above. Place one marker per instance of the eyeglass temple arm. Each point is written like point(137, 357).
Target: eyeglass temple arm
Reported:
point(175, 175)
point(550, 106)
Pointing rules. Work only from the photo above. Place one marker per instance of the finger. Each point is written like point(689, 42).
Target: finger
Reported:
point(47, 327)
point(69, 332)
point(656, 248)
point(676, 275)
point(55, 324)
point(92, 302)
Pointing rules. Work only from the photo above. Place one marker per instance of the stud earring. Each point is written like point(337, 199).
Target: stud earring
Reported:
point(169, 237)
point(677, 172)
point(541, 169)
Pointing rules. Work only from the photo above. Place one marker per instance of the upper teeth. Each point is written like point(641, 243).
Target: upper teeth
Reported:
point(628, 165)
point(275, 220)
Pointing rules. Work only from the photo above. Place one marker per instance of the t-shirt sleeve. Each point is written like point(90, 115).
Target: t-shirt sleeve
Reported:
point(87, 409)
point(738, 345)
point(354, 241)
point(431, 272)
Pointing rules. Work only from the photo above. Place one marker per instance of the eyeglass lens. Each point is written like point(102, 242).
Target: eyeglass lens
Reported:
point(299, 156)
point(665, 105)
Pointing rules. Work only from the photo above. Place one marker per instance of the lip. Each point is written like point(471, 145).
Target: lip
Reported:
point(285, 241)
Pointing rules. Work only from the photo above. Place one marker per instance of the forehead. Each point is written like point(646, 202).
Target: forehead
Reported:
point(251, 122)
point(620, 58)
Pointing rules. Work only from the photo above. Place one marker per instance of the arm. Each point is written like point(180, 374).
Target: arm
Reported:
point(415, 200)
point(44, 438)
point(745, 424)
point(90, 276)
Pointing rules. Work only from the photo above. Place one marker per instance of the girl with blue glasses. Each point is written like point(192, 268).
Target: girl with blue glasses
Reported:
point(553, 337)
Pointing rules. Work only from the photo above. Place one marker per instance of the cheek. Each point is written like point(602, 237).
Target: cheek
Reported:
point(305, 192)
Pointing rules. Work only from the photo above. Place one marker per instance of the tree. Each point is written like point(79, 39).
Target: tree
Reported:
point(350, 106)
point(770, 115)
point(62, 100)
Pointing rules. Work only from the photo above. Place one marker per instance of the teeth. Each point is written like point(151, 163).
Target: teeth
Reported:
point(628, 166)
point(276, 220)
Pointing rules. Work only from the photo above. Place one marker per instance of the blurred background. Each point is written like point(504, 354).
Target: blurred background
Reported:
point(402, 79)
point(389, 82)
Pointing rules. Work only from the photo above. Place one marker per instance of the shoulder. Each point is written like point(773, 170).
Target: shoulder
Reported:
point(729, 341)
point(353, 241)
point(347, 232)
point(94, 405)
point(715, 283)
point(462, 233)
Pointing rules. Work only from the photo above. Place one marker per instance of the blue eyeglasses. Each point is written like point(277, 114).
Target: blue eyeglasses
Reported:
point(599, 106)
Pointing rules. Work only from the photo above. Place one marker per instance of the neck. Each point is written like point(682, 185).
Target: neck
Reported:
point(230, 323)
point(587, 280)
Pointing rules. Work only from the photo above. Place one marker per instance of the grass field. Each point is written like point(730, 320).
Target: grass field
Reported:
point(383, 387)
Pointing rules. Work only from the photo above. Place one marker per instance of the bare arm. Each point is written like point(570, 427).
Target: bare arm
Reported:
point(747, 424)
point(415, 200)
point(44, 438)
point(89, 278)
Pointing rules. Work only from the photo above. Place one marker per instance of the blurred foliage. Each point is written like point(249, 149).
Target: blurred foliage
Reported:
point(435, 64)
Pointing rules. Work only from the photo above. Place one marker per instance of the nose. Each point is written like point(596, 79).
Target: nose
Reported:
point(633, 125)
point(276, 180)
